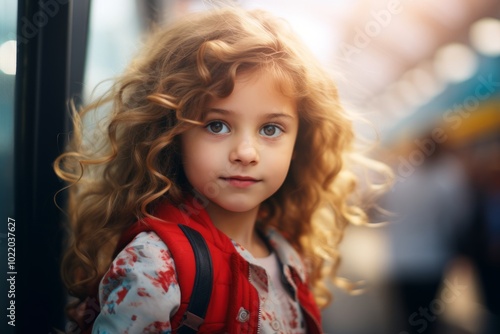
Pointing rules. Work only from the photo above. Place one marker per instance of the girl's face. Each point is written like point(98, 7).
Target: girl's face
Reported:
point(241, 154)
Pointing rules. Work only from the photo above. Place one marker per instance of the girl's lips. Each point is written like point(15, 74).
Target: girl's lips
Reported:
point(240, 181)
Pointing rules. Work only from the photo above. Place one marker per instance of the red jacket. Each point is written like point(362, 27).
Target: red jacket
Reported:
point(232, 291)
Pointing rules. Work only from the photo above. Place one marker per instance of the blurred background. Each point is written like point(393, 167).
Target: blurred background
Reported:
point(424, 74)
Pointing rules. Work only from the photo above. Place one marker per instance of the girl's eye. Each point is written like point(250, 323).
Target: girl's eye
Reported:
point(271, 131)
point(217, 127)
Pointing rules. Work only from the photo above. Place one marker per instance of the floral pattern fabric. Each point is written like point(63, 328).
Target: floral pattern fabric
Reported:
point(140, 291)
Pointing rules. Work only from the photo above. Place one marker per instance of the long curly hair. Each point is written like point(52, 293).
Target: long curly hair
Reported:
point(118, 171)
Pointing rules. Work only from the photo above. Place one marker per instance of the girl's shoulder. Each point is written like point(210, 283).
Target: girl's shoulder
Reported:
point(148, 239)
point(145, 256)
point(141, 283)
point(146, 248)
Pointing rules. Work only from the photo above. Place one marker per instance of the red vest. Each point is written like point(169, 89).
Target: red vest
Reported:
point(232, 293)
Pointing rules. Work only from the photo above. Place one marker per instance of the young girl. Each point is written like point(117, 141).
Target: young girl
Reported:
point(224, 123)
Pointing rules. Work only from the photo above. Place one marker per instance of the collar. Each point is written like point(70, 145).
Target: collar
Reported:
point(287, 255)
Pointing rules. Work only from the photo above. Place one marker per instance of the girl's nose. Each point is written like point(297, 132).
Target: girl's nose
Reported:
point(245, 152)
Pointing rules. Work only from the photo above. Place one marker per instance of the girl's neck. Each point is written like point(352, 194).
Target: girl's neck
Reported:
point(239, 226)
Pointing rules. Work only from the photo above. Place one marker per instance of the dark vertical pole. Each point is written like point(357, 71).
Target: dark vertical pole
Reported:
point(42, 92)
point(80, 19)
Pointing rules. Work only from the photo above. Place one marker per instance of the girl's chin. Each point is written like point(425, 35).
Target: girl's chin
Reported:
point(236, 206)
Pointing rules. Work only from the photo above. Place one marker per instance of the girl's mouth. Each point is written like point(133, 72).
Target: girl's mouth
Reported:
point(240, 181)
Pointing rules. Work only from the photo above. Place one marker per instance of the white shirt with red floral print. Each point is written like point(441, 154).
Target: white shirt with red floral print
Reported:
point(140, 291)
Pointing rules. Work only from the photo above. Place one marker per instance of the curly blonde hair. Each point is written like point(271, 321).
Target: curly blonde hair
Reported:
point(136, 164)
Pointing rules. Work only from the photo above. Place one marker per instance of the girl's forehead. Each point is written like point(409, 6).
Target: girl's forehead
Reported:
point(258, 86)
point(269, 83)
point(282, 81)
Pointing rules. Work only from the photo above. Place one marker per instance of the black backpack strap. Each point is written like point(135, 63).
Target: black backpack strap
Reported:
point(203, 283)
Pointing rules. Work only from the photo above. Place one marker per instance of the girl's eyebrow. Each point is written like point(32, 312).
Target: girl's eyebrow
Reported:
point(218, 111)
point(273, 115)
